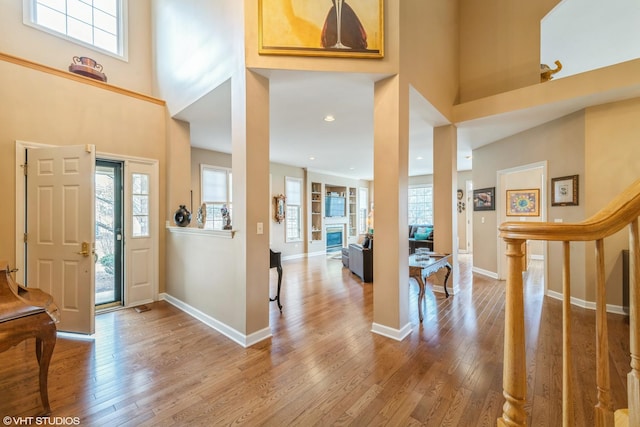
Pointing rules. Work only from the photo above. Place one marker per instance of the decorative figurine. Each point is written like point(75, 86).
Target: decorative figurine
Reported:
point(226, 218)
point(546, 72)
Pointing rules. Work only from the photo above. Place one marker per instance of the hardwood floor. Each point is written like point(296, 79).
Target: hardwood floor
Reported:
point(322, 366)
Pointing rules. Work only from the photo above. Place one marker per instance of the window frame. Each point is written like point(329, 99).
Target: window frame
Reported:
point(229, 197)
point(29, 18)
point(418, 186)
point(363, 209)
point(297, 207)
point(147, 215)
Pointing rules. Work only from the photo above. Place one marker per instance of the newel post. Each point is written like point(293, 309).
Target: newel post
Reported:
point(514, 382)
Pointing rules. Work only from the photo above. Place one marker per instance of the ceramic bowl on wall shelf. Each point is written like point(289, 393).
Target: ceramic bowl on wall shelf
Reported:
point(87, 67)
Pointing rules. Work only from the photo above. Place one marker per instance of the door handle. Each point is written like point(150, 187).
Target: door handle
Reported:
point(85, 252)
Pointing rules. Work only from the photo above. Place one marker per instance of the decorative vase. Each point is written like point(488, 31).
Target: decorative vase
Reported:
point(182, 217)
point(87, 67)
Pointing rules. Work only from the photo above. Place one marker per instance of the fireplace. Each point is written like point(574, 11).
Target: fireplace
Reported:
point(334, 239)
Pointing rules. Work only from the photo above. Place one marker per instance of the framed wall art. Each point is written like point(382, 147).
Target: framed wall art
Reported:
point(484, 199)
point(564, 191)
point(523, 202)
point(279, 208)
point(343, 28)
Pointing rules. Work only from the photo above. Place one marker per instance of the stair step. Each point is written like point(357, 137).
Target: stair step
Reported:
point(622, 418)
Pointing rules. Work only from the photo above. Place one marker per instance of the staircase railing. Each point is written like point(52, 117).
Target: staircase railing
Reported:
point(623, 211)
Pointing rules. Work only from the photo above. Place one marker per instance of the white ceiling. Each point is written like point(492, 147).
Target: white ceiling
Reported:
point(300, 137)
point(300, 100)
point(299, 134)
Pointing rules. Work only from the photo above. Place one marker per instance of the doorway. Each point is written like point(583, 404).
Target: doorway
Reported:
point(530, 176)
point(139, 207)
point(109, 240)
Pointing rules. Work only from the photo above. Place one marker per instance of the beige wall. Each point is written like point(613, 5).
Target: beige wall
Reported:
point(600, 145)
point(43, 108)
point(133, 73)
point(612, 162)
point(561, 144)
point(278, 172)
point(499, 45)
point(429, 50)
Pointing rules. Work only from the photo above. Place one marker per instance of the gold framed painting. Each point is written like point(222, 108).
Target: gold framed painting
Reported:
point(523, 202)
point(334, 28)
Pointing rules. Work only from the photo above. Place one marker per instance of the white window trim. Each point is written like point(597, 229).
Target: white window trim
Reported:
point(423, 186)
point(229, 201)
point(363, 203)
point(28, 13)
point(288, 239)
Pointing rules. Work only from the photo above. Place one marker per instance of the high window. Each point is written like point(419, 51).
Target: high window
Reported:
point(215, 187)
point(293, 218)
point(420, 205)
point(97, 23)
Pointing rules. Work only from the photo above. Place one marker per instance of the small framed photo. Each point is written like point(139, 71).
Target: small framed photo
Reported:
point(523, 202)
point(564, 191)
point(484, 199)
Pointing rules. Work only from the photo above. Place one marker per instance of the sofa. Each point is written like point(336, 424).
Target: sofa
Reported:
point(420, 236)
point(361, 261)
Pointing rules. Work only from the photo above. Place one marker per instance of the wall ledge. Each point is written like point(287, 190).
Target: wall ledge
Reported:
point(223, 234)
point(78, 78)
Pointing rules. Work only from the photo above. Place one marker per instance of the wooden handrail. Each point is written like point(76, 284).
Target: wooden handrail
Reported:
point(622, 211)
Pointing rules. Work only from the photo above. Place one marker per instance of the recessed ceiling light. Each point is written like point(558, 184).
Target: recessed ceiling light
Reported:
point(311, 158)
point(352, 168)
point(329, 118)
point(419, 158)
point(468, 157)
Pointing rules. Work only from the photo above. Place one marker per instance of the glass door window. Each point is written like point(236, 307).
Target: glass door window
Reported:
point(109, 243)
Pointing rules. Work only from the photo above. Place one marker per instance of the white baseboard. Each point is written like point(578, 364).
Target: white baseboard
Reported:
point(318, 253)
point(296, 256)
point(440, 289)
point(396, 334)
point(616, 309)
point(490, 274)
point(224, 329)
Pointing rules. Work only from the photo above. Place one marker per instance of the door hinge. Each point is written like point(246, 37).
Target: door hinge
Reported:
point(25, 238)
point(25, 168)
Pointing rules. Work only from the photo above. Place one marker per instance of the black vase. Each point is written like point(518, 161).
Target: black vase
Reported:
point(182, 217)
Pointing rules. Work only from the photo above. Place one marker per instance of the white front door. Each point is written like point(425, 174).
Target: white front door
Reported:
point(60, 231)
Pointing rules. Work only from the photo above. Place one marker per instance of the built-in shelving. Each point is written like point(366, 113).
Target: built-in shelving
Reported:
point(352, 212)
point(316, 211)
point(333, 206)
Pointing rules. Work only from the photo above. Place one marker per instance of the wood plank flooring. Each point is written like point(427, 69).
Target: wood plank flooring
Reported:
point(322, 366)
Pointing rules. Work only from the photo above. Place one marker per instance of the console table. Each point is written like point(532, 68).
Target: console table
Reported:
point(423, 269)
point(275, 261)
point(28, 313)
